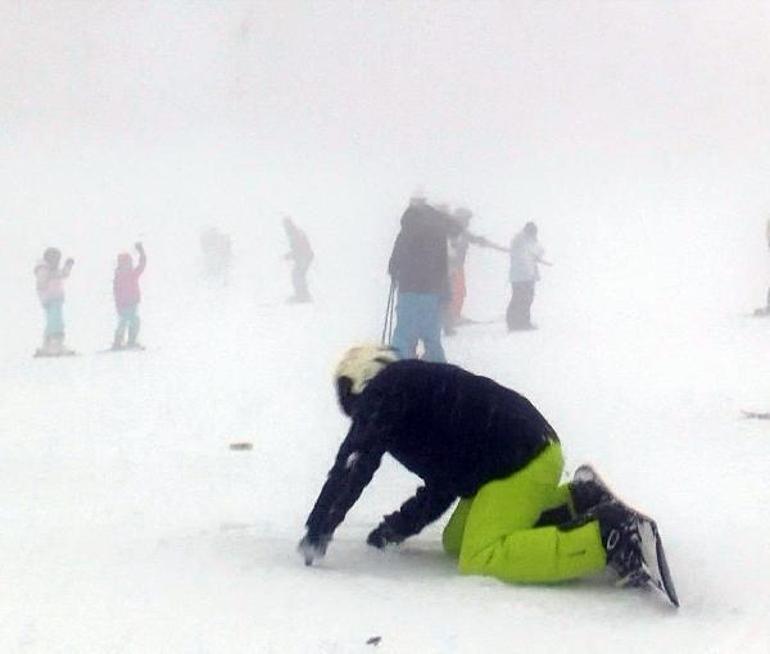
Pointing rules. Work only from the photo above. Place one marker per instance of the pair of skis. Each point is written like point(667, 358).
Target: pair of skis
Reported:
point(40, 354)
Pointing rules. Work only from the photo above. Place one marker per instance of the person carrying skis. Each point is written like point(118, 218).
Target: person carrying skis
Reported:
point(468, 437)
point(125, 286)
point(526, 253)
point(418, 267)
point(49, 281)
point(301, 254)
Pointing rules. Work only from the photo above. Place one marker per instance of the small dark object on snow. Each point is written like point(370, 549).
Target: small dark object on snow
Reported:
point(754, 414)
point(241, 446)
point(374, 640)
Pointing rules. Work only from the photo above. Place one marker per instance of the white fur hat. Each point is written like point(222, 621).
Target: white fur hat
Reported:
point(362, 363)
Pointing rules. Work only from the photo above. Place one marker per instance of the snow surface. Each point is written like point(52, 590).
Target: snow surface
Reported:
point(633, 133)
point(130, 526)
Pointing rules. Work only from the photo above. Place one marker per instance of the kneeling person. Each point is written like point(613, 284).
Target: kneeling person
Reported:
point(468, 437)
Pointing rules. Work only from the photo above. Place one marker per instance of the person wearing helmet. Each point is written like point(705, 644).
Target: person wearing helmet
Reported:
point(470, 438)
point(49, 282)
point(127, 296)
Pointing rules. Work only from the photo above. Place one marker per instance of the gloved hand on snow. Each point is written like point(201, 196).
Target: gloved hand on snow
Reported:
point(383, 535)
point(313, 548)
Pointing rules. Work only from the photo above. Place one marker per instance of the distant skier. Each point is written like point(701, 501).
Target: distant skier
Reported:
point(127, 295)
point(526, 253)
point(468, 437)
point(419, 268)
point(49, 280)
point(458, 243)
point(765, 310)
point(216, 248)
point(301, 254)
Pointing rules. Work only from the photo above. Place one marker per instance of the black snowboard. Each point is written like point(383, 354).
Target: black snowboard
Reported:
point(655, 571)
point(654, 560)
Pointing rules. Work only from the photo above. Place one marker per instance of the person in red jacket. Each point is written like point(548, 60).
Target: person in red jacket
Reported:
point(127, 296)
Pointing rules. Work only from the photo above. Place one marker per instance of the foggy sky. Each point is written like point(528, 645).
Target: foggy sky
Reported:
point(606, 114)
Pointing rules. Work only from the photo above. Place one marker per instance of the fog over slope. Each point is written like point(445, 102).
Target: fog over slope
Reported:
point(633, 133)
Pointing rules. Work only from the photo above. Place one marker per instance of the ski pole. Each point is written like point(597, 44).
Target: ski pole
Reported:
point(387, 328)
point(391, 324)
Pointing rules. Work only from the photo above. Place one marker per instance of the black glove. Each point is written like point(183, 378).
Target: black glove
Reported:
point(383, 535)
point(139, 247)
point(313, 548)
point(69, 262)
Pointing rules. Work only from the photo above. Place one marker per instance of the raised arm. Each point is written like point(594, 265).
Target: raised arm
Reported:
point(427, 505)
point(65, 272)
point(358, 458)
point(142, 259)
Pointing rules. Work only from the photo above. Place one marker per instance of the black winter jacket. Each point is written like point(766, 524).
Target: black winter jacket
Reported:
point(454, 429)
point(418, 262)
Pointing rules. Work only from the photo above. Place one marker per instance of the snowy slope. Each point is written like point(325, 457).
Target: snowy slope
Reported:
point(633, 133)
point(129, 526)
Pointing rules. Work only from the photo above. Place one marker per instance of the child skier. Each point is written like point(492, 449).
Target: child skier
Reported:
point(49, 280)
point(468, 437)
point(125, 287)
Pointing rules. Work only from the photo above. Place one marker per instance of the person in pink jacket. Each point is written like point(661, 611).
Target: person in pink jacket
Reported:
point(49, 282)
point(127, 297)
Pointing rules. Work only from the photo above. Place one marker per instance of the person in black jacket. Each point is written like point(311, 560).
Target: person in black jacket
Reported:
point(468, 437)
point(418, 266)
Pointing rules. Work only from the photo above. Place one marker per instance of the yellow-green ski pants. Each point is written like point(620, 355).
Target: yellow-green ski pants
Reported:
point(493, 533)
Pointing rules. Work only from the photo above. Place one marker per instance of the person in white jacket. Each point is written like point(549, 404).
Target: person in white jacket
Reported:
point(526, 254)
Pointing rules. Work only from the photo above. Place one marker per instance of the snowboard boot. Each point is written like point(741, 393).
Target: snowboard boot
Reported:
point(62, 349)
point(621, 531)
point(47, 349)
point(634, 548)
point(56, 346)
point(588, 490)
